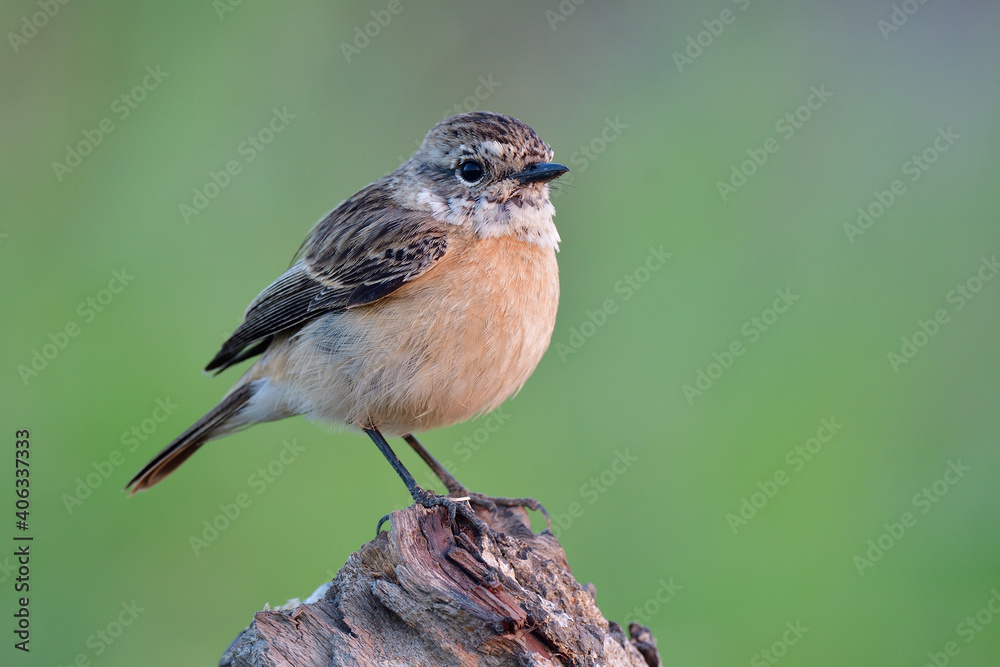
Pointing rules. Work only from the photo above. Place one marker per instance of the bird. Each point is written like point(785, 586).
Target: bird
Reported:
point(424, 300)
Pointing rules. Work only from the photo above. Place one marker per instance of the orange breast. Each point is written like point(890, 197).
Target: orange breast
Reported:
point(455, 342)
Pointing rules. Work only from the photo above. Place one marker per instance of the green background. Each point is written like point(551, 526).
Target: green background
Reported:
point(660, 521)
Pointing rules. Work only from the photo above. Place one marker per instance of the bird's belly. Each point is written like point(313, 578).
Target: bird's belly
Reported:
point(453, 343)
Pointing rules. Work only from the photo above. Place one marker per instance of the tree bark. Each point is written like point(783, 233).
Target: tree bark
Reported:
point(430, 593)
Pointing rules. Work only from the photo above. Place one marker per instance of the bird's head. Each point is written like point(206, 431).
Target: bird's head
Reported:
point(487, 171)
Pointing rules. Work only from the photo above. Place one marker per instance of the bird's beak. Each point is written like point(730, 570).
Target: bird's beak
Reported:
point(542, 172)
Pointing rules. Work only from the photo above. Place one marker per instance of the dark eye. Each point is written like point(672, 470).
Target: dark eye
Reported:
point(471, 172)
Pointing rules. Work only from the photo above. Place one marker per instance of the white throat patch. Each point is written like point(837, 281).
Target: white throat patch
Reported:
point(527, 220)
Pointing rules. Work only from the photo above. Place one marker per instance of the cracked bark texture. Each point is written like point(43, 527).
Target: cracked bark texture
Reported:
point(428, 593)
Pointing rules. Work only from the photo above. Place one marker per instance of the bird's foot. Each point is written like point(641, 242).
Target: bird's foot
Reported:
point(491, 503)
point(455, 506)
point(460, 501)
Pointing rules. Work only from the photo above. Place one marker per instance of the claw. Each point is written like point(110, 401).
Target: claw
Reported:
point(483, 501)
point(491, 503)
point(378, 528)
point(454, 506)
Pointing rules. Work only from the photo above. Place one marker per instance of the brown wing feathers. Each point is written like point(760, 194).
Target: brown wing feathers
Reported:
point(352, 257)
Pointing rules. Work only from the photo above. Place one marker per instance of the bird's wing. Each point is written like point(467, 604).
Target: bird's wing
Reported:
point(356, 255)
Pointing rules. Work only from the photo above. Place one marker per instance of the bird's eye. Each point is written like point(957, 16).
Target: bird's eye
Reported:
point(471, 172)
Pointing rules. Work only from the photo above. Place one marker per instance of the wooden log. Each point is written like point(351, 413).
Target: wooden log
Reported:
point(430, 593)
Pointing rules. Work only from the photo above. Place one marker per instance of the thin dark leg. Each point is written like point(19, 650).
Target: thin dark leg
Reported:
point(454, 487)
point(419, 495)
point(397, 465)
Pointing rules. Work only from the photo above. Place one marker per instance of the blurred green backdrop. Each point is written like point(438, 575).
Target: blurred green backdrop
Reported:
point(719, 434)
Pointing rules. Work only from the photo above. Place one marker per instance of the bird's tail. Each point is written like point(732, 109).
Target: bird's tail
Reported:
point(216, 423)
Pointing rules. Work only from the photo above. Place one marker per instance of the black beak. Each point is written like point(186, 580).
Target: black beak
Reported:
point(542, 172)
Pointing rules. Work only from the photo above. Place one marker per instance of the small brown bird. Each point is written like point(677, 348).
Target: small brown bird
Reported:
point(424, 300)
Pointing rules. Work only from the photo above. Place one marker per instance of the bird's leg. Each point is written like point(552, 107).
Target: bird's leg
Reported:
point(456, 488)
point(422, 496)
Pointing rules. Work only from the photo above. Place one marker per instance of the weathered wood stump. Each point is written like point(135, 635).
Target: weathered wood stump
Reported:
point(428, 593)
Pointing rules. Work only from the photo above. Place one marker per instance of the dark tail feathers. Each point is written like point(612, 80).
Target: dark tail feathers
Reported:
point(178, 451)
